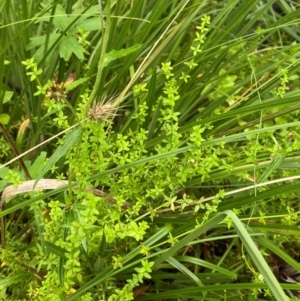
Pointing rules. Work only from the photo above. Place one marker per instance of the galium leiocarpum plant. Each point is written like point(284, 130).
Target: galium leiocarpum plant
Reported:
point(145, 177)
point(95, 152)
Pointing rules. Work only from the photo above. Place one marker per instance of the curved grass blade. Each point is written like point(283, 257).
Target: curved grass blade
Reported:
point(189, 238)
point(193, 292)
point(180, 267)
point(257, 258)
point(13, 279)
point(204, 263)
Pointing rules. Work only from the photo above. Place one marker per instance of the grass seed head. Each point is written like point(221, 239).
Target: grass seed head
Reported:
point(102, 110)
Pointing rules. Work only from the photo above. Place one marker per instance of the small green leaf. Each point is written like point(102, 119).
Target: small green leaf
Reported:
point(98, 265)
point(7, 96)
point(4, 118)
point(3, 172)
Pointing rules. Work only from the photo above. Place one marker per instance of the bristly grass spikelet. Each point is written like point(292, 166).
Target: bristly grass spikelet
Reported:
point(102, 110)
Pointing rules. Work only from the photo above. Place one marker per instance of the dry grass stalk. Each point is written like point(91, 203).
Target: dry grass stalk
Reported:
point(45, 184)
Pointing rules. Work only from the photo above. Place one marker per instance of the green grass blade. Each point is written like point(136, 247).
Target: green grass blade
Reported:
point(279, 252)
point(276, 162)
point(189, 238)
point(4, 283)
point(204, 263)
point(58, 251)
point(257, 258)
point(180, 267)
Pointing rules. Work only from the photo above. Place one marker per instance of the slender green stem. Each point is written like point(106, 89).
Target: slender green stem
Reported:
point(105, 38)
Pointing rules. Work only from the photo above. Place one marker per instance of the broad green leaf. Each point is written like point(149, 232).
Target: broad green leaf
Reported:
point(41, 40)
point(89, 25)
point(61, 19)
point(69, 45)
point(92, 11)
point(3, 184)
point(37, 165)
point(85, 23)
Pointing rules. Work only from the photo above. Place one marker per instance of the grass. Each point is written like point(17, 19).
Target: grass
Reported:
point(175, 125)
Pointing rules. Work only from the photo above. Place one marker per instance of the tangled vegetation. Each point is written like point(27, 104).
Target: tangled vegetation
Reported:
point(149, 150)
